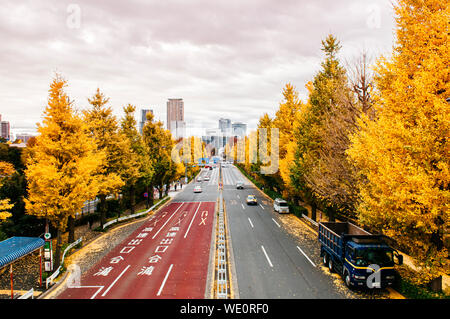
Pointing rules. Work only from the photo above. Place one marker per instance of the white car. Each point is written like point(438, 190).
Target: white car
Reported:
point(199, 179)
point(206, 178)
point(280, 206)
point(197, 189)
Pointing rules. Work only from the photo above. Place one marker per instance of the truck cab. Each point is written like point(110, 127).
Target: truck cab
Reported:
point(362, 259)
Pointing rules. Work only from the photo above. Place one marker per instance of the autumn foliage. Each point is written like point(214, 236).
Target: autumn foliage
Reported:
point(373, 148)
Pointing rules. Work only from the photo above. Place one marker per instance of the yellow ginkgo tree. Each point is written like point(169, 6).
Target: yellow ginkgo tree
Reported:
point(61, 168)
point(6, 169)
point(103, 128)
point(403, 155)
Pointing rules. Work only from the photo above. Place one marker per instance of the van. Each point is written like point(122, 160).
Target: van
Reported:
point(280, 206)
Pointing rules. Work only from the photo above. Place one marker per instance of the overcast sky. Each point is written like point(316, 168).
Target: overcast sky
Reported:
point(224, 58)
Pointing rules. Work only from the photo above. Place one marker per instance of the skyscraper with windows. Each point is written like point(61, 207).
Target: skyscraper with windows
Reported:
point(239, 129)
point(175, 117)
point(225, 126)
point(5, 129)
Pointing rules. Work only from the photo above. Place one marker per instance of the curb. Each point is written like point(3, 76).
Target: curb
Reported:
point(393, 294)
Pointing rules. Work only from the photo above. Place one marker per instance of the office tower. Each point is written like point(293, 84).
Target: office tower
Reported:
point(144, 118)
point(239, 129)
point(214, 138)
point(225, 126)
point(5, 130)
point(175, 117)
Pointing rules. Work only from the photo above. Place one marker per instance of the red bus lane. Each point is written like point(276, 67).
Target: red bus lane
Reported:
point(167, 257)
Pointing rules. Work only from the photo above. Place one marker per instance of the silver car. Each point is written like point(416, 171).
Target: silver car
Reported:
point(280, 206)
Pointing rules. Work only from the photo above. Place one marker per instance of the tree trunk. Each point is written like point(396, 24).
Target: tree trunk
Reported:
point(102, 210)
point(150, 195)
point(313, 211)
point(331, 215)
point(57, 258)
point(71, 229)
point(132, 199)
point(167, 189)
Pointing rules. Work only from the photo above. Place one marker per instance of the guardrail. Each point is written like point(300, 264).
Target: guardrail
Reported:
point(310, 220)
point(132, 216)
point(52, 277)
point(28, 294)
point(222, 278)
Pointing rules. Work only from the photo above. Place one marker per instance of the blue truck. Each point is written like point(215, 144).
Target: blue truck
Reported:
point(361, 258)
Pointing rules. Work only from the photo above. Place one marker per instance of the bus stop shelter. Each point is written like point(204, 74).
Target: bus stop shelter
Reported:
point(14, 248)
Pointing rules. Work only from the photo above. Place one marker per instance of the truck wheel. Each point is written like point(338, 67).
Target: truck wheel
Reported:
point(330, 265)
point(347, 279)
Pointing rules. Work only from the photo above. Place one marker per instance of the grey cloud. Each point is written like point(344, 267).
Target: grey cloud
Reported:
point(220, 56)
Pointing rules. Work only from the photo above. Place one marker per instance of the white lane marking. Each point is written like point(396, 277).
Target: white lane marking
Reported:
point(238, 196)
point(167, 221)
point(242, 206)
point(115, 280)
point(276, 222)
point(164, 281)
point(251, 224)
point(306, 256)
point(98, 290)
point(192, 220)
point(262, 207)
point(94, 295)
point(268, 259)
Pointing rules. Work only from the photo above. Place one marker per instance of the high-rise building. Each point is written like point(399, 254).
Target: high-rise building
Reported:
point(175, 117)
point(213, 137)
point(239, 129)
point(225, 126)
point(5, 130)
point(144, 118)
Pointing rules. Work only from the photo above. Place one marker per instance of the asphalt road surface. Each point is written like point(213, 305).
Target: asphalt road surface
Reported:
point(170, 255)
point(167, 257)
point(269, 263)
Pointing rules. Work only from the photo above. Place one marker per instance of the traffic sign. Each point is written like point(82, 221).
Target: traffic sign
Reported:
point(145, 195)
point(47, 236)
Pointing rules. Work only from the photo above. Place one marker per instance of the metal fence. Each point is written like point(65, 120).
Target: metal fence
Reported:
point(52, 277)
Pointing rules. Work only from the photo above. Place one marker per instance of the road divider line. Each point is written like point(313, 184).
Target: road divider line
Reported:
point(251, 224)
point(167, 221)
point(115, 280)
point(243, 207)
point(164, 281)
point(192, 220)
point(276, 222)
point(268, 259)
point(98, 290)
point(261, 206)
point(306, 257)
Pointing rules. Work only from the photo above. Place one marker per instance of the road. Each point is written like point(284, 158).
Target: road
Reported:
point(170, 255)
point(268, 262)
point(167, 257)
